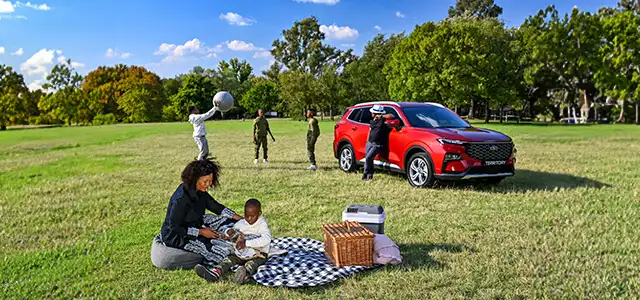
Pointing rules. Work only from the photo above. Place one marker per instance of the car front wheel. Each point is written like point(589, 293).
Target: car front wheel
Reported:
point(347, 159)
point(420, 171)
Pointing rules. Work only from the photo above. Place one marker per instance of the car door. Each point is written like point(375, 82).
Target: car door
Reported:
point(361, 133)
point(395, 150)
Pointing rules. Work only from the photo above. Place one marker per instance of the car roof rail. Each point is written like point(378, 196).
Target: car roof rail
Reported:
point(435, 104)
point(378, 102)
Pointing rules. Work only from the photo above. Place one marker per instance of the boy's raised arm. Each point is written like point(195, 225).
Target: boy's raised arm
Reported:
point(205, 116)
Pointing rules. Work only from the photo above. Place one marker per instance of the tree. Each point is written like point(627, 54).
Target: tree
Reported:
point(454, 61)
point(302, 47)
point(566, 49)
point(106, 85)
point(333, 89)
point(619, 75)
point(366, 76)
point(480, 8)
point(273, 73)
point(12, 92)
point(263, 94)
point(195, 90)
point(66, 103)
point(299, 91)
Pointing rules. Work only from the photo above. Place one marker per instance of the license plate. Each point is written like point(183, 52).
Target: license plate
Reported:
point(495, 162)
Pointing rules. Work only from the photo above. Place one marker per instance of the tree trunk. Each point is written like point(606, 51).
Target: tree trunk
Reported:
point(3, 127)
point(471, 110)
point(486, 111)
point(501, 114)
point(532, 113)
point(637, 112)
point(331, 113)
point(322, 114)
point(622, 104)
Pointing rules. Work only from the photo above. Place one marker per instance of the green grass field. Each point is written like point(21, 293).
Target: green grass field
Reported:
point(79, 207)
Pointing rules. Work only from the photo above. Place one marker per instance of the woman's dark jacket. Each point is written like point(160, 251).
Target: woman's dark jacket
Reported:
point(185, 215)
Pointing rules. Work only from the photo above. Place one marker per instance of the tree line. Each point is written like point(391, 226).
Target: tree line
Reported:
point(548, 67)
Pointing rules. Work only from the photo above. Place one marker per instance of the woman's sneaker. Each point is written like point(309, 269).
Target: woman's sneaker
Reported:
point(207, 273)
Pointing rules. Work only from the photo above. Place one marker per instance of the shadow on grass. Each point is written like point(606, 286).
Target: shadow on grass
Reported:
point(271, 166)
point(529, 180)
point(414, 256)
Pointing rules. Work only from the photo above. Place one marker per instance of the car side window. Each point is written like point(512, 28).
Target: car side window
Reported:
point(355, 115)
point(365, 116)
point(392, 111)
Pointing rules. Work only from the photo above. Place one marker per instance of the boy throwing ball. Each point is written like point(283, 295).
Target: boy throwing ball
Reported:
point(199, 131)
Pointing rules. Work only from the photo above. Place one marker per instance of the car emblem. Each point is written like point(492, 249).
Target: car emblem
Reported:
point(493, 148)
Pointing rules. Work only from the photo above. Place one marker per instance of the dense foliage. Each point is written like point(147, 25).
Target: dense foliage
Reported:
point(552, 65)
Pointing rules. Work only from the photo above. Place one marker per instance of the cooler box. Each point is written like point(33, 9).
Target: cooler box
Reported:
point(370, 216)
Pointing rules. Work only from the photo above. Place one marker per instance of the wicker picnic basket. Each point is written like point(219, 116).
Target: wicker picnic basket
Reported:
point(348, 244)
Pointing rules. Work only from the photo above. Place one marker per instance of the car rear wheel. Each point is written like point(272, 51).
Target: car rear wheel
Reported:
point(347, 159)
point(420, 171)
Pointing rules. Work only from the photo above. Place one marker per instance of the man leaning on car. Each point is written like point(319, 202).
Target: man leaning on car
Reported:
point(378, 138)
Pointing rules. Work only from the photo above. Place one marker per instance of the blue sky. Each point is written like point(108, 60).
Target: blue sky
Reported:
point(170, 37)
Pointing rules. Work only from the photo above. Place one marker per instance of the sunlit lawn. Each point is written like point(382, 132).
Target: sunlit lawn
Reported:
point(79, 207)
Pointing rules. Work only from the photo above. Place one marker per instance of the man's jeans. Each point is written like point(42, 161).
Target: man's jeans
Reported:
point(371, 151)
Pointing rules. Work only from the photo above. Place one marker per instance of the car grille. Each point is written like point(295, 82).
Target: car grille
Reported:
point(489, 151)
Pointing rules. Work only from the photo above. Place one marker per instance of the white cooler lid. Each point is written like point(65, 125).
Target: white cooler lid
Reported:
point(364, 217)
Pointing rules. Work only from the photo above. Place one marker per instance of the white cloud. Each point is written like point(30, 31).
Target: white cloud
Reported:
point(175, 52)
point(262, 54)
point(237, 45)
point(348, 45)
point(38, 63)
point(1, 50)
point(378, 28)
point(21, 17)
point(34, 6)
point(35, 85)
point(18, 52)
point(6, 7)
point(236, 19)
point(41, 61)
point(341, 33)
point(400, 15)
point(111, 53)
point(329, 2)
point(77, 65)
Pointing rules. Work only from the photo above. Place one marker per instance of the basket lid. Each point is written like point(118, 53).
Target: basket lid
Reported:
point(347, 230)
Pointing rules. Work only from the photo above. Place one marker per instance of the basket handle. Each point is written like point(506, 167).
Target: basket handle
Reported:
point(348, 226)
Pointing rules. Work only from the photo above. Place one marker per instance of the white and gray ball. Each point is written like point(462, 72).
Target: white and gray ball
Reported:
point(223, 100)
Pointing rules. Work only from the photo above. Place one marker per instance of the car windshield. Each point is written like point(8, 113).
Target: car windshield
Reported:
point(429, 116)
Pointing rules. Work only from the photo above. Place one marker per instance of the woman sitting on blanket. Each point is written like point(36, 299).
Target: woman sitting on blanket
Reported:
point(186, 226)
point(252, 238)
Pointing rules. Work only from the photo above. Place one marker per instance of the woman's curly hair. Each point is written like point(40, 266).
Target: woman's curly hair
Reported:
point(198, 168)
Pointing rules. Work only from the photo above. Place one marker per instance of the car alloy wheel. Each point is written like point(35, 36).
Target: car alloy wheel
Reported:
point(347, 159)
point(420, 173)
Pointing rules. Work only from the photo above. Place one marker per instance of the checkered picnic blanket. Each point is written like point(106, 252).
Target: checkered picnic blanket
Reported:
point(304, 265)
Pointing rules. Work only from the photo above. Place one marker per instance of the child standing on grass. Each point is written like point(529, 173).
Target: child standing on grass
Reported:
point(313, 132)
point(199, 132)
point(260, 131)
point(252, 246)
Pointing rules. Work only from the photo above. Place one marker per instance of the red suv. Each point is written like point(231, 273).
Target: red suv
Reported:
point(431, 143)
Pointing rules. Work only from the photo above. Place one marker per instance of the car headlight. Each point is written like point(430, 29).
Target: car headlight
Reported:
point(452, 142)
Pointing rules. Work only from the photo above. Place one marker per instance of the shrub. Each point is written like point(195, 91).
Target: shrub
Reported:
point(107, 119)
